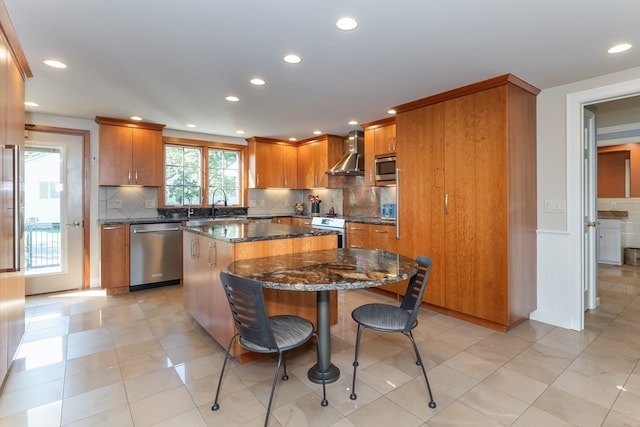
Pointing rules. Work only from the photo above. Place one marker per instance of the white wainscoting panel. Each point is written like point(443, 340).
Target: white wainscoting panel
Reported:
point(556, 289)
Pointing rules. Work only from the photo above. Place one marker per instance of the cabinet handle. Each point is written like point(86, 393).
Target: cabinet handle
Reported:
point(136, 176)
point(380, 231)
point(212, 245)
point(195, 248)
point(355, 228)
point(446, 203)
point(355, 246)
point(113, 227)
point(129, 176)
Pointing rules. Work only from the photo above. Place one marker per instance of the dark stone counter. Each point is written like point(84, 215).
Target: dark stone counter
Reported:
point(329, 269)
point(251, 232)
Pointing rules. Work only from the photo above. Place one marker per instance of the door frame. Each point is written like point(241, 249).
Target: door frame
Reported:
point(86, 191)
point(575, 103)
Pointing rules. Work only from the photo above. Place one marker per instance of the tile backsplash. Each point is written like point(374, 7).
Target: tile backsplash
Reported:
point(351, 199)
point(117, 203)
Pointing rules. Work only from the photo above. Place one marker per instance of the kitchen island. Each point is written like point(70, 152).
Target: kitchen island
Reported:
point(209, 249)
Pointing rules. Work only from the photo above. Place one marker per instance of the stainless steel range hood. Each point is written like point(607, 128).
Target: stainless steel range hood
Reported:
point(352, 163)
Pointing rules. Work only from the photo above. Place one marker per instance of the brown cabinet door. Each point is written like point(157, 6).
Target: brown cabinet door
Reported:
point(357, 235)
point(306, 169)
point(421, 195)
point(369, 158)
point(385, 139)
point(146, 158)
point(114, 258)
point(289, 166)
point(302, 222)
point(191, 272)
point(268, 166)
point(115, 155)
point(475, 220)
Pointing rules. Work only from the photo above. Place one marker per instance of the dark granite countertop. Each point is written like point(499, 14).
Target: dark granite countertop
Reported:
point(329, 269)
point(153, 220)
point(613, 214)
point(236, 233)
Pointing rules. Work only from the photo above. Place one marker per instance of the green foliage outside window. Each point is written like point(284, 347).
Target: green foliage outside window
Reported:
point(183, 176)
point(223, 171)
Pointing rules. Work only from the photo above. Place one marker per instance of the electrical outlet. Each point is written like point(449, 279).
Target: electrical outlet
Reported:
point(262, 203)
point(114, 203)
point(252, 203)
point(150, 204)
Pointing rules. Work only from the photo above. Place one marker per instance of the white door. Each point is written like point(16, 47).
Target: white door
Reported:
point(53, 212)
point(590, 210)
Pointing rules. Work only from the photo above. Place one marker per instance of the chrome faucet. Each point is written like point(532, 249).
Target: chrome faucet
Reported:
point(189, 209)
point(213, 200)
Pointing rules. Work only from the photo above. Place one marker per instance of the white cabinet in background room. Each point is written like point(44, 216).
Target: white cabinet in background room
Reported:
point(609, 247)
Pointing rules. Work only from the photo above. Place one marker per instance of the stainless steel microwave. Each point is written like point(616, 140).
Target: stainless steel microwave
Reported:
point(386, 168)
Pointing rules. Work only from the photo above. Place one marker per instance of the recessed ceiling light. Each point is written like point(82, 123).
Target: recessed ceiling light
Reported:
point(136, 118)
point(353, 122)
point(31, 104)
point(346, 24)
point(190, 125)
point(55, 64)
point(292, 139)
point(257, 82)
point(317, 132)
point(240, 132)
point(292, 59)
point(620, 48)
point(391, 111)
point(232, 98)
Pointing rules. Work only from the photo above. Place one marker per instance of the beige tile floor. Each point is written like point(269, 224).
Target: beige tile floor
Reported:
point(137, 360)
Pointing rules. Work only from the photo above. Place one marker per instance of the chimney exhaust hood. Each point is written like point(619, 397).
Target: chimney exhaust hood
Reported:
point(352, 163)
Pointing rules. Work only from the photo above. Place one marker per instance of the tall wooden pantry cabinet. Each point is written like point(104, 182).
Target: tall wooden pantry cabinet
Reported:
point(14, 69)
point(467, 198)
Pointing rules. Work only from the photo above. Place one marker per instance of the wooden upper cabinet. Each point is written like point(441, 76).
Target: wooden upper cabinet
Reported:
point(385, 139)
point(272, 163)
point(130, 153)
point(290, 166)
point(315, 157)
point(379, 139)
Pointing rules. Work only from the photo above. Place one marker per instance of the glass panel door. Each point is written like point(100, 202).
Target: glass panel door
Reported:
point(53, 212)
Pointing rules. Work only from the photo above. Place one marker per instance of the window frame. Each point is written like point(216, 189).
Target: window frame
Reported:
point(204, 145)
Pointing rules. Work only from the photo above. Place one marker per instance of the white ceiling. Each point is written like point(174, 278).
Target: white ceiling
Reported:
point(173, 62)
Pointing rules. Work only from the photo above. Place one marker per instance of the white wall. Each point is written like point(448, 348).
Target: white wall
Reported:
point(559, 179)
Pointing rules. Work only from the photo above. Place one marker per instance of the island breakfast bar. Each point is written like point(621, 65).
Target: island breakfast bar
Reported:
point(323, 271)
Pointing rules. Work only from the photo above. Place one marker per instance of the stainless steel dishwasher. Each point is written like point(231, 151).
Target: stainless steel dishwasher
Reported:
point(155, 255)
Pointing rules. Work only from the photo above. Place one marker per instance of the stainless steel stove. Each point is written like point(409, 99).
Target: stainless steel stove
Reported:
point(332, 223)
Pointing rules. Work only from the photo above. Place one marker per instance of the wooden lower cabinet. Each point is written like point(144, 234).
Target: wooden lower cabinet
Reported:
point(301, 222)
point(204, 298)
point(114, 258)
point(282, 220)
point(375, 236)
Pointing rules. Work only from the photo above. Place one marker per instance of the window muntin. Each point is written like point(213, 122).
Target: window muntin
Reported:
point(194, 171)
point(182, 175)
point(223, 172)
